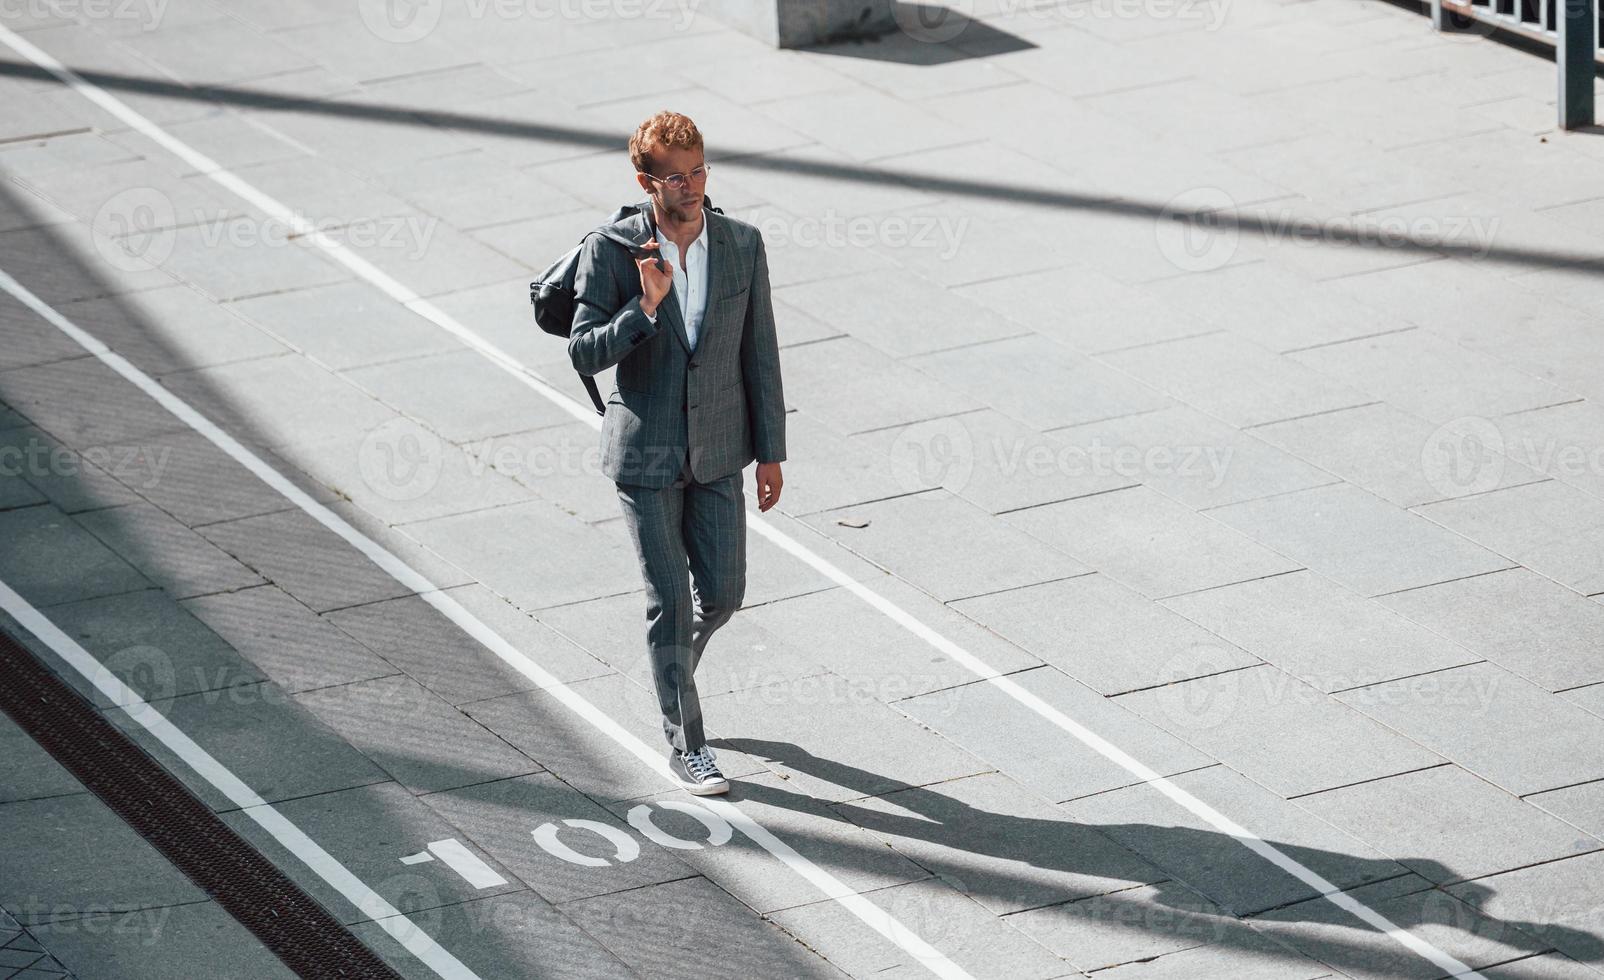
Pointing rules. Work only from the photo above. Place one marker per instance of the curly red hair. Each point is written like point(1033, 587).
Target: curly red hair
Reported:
point(665, 130)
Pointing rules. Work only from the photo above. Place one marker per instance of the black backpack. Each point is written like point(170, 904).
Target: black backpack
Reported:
point(552, 295)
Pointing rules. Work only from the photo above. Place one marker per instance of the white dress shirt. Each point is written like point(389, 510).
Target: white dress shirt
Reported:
point(690, 280)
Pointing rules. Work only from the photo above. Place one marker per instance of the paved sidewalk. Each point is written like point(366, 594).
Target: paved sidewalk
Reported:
point(22, 957)
point(1227, 376)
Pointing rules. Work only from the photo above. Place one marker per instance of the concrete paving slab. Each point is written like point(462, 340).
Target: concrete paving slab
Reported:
point(16, 492)
point(277, 401)
point(302, 557)
point(423, 742)
point(1103, 634)
point(228, 138)
point(873, 653)
point(746, 652)
point(119, 415)
point(1233, 379)
point(579, 754)
point(369, 829)
point(440, 573)
point(1336, 938)
point(285, 640)
point(966, 241)
point(1191, 457)
point(1561, 440)
point(973, 554)
point(988, 838)
point(994, 461)
point(516, 934)
point(495, 545)
point(967, 934)
point(852, 387)
point(345, 324)
point(1448, 826)
point(1123, 534)
point(402, 472)
point(782, 723)
point(503, 816)
point(1292, 311)
point(1040, 382)
point(1098, 314)
point(1219, 866)
point(900, 313)
point(50, 874)
point(33, 341)
point(233, 257)
point(173, 329)
point(431, 256)
point(328, 189)
point(1333, 531)
point(417, 638)
point(31, 773)
point(1432, 377)
point(1560, 903)
point(1552, 528)
point(1252, 958)
point(52, 559)
point(181, 940)
point(171, 555)
point(39, 468)
point(817, 831)
point(684, 928)
point(1393, 455)
point(472, 190)
point(1582, 806)
point(559, 463)
point(189, 477)
point(1130, 925)
point(1320, 632)
point(54, 261)
point(1041, 756)
point(1499, 726)
point(1545, 966)
point(150, 642)
point(1517, 619)
point(1590, 698)
point(825, 470)
point(280, 749)
point(1285, 735)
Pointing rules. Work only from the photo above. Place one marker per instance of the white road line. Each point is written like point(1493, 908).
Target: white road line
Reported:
point(414, 580)
point(826, 882)
point(127, 700)
point(281, 212)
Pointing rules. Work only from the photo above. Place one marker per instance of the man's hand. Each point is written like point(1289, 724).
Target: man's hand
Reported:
point(654, 281)
point(768, 485)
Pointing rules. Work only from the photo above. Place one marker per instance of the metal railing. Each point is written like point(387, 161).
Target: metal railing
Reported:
point(1571, 27)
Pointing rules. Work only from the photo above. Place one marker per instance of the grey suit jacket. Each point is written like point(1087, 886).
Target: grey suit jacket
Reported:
point(722, 404)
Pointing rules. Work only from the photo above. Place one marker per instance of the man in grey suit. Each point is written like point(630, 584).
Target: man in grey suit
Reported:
point(698, 396)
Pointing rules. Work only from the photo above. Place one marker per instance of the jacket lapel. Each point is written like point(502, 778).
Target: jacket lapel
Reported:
point(669, 307)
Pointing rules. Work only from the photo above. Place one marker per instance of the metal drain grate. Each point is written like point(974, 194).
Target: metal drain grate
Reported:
point(300, 932)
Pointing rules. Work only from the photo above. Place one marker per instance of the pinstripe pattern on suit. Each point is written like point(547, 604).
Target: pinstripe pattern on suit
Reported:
point(680, 427)
point(721, 405)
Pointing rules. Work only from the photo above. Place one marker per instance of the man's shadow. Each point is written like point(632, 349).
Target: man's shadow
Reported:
point(1231, 882)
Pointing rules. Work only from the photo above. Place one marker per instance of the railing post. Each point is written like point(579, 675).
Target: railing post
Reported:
point(1574, 51)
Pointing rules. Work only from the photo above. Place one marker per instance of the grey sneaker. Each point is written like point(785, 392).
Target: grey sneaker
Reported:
point(698, 773)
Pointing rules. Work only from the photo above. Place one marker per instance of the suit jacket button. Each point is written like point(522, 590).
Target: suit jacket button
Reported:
point(693, 365)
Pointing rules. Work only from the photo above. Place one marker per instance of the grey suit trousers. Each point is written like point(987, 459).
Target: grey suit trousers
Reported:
point(700, 527)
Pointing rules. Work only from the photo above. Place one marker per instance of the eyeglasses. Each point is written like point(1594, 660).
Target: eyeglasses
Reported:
point(681, 181)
